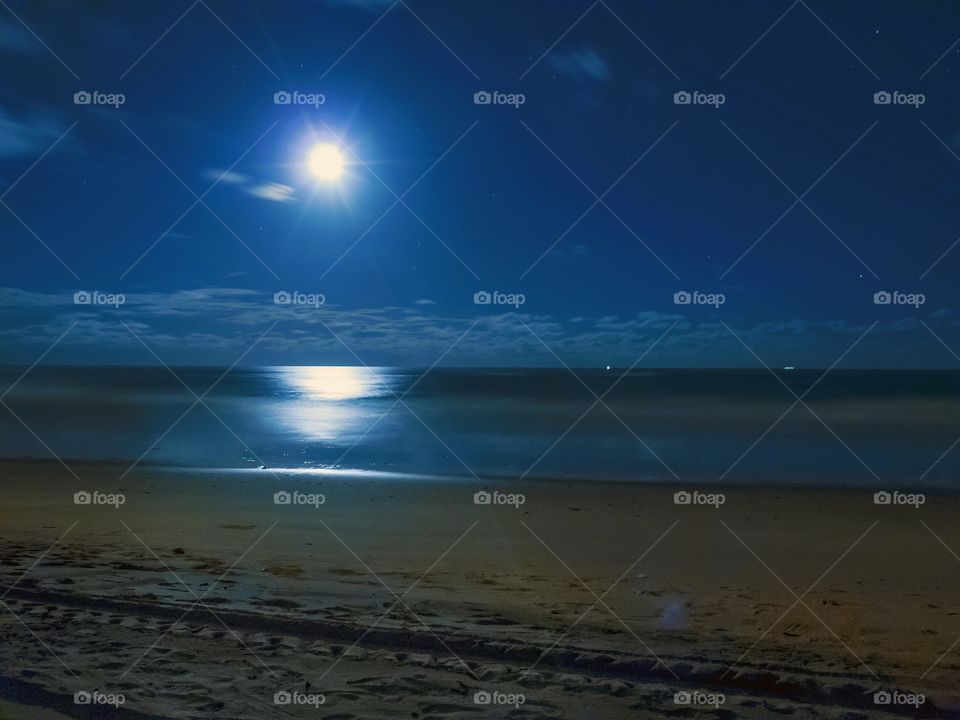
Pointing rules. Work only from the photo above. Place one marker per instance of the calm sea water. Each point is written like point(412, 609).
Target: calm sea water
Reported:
point(652, 426)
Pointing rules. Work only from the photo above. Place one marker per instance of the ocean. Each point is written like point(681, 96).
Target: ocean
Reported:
point(854, 428)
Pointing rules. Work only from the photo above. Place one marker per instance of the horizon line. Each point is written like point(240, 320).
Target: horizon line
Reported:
point(604, 368)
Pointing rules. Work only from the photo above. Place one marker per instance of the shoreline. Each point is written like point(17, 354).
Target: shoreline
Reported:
point(692, 596)
point(400, 477)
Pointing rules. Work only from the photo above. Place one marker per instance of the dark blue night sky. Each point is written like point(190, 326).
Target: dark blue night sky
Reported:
point(494, 197)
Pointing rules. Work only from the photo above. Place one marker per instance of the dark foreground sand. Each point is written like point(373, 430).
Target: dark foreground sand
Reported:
point(588, 601)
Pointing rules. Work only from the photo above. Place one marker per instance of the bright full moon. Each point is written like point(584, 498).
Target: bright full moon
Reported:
point(326, 162)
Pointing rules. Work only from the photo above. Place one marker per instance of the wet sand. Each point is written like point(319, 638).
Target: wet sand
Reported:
point(200, 596)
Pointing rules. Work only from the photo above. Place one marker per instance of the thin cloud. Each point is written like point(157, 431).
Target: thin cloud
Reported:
point(582, 65)
point(277, 192)
point(228, 177)
point(29, 134)
point(17, 41)
point(265, 190)
point(187, 324)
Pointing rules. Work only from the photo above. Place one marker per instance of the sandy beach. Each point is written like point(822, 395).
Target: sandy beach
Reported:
point(200, 596)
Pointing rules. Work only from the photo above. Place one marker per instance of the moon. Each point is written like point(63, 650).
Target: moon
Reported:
point(326, 162)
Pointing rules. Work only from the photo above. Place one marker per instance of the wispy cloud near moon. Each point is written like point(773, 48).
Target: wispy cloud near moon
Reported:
point(265, 190)
point(277, 192)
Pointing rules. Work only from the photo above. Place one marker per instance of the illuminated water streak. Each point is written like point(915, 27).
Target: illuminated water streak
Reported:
point(327, 407)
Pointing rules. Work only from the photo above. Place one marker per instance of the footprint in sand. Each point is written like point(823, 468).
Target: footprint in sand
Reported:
point(285, 570)
point(795, 630)
point(282, 603)
point(448, 709)
point(343, 571)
